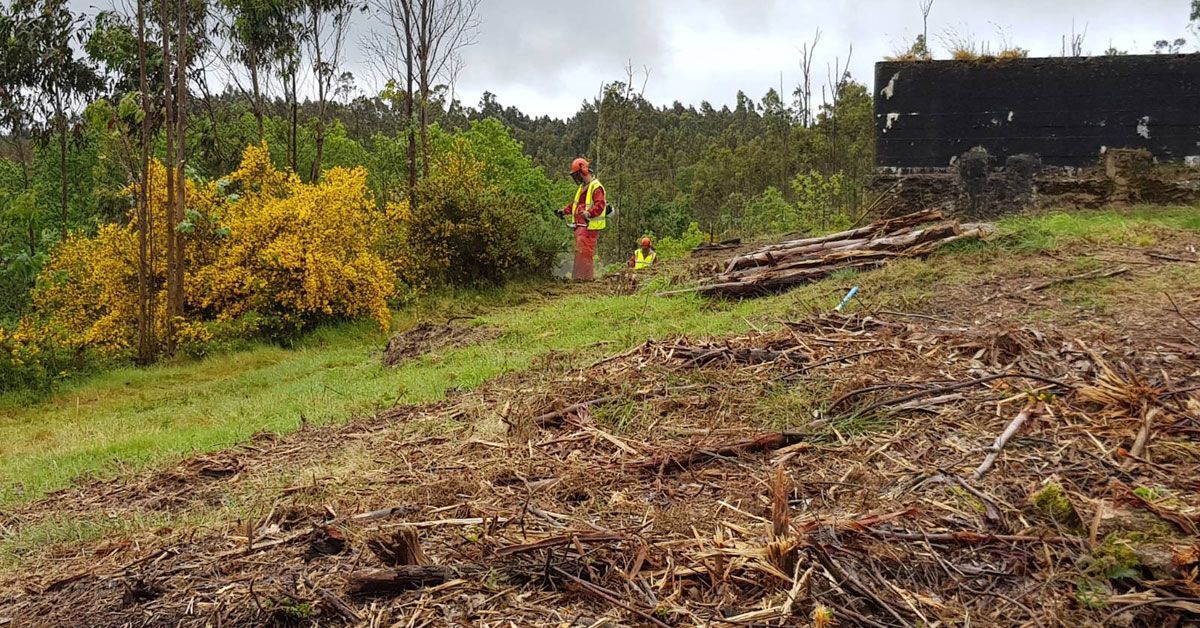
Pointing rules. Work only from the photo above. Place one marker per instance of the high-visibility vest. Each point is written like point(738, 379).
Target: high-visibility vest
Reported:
point(641, 261)
point(593, 224)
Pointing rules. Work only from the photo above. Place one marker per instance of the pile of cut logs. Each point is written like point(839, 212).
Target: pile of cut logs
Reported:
point(785, 264)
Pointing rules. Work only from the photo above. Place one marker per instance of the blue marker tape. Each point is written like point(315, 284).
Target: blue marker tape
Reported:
point(846, 299)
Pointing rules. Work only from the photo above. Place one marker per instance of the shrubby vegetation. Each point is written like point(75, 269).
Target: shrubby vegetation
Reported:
point(301, 212)
point(270, 255)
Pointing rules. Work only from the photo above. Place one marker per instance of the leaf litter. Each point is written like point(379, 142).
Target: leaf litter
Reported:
point(833, 470)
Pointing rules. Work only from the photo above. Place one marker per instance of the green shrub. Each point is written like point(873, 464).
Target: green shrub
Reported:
point(818, 201)
point(769, 213)
point(675, 248)
point(462, 229)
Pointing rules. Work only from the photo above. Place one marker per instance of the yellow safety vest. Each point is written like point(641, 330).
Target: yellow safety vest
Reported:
point(593, 224)
point(641, 261)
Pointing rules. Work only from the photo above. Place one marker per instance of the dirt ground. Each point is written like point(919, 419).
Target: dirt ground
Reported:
point(429, 337)
point(832, 470)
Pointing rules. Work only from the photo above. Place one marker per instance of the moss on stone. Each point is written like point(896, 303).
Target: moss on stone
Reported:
point(1115, 557)
point(1052, 501)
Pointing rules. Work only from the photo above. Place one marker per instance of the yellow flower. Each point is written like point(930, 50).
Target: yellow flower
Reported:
point(283, 248)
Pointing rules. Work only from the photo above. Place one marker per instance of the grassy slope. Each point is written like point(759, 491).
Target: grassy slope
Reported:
point(127, 418)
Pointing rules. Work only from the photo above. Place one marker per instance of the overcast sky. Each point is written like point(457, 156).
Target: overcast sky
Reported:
point(546, 56)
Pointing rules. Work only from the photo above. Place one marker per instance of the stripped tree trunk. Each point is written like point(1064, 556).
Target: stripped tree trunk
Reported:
point(175, 281)
point(408, 92)
point(169, 158)
point(145, 321)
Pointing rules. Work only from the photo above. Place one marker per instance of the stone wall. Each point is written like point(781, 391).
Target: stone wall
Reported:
point(980, 185)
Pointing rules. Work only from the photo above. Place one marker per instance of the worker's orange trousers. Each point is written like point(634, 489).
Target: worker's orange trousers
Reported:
point(585, 253)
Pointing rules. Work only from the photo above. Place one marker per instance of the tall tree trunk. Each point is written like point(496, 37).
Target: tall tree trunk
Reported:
point(61, 123)
point(17, 137)
point(295, 122)
point(254, 86)
point(31, 242)
point(424, 45)
point(319, 129)
point(319, 141)
point(169, 163)
point(408, 104)
point(425, 126)
point(181, 91)
point(145, 320)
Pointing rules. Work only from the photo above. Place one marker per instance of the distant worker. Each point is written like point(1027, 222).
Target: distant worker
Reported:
point(643, 257)
point(586, 216)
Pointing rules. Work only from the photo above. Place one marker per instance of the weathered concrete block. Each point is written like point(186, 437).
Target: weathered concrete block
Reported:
point(1064, 110)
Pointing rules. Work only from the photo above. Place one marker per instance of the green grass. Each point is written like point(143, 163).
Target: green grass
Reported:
point(1137, 226)
point(25, 540)
point(790, 405)
point(127, 418)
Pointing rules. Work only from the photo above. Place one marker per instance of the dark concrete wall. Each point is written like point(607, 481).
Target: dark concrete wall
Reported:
point(1062, 109)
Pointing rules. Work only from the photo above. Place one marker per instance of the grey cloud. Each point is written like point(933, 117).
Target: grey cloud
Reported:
point(546, 57)
point(550, 47)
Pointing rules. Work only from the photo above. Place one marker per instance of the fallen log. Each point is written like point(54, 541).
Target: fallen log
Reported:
point(774, 256)
point(782, 266)
point(927, 248)
point(835, 260)
point(881, 226)
point(555, 418)
point(773, 281)
point(398, 579)
point(895, 241)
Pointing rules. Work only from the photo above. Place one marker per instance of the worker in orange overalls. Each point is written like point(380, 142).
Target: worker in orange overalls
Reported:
point(586, 215)
point(644, 256)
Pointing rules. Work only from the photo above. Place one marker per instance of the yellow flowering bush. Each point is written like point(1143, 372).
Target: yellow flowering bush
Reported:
point(276, 256)
point(88, 292)
point(297, 252)
point(29, 359)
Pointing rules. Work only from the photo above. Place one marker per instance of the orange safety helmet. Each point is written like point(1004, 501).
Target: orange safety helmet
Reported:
point(580, 166)
point(646, 241)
